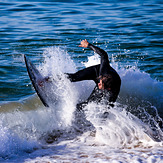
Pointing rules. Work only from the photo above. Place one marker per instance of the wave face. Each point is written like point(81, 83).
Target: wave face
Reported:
point(135, 122)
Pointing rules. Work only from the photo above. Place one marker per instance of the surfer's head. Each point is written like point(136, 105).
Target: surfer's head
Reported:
point(105, 82)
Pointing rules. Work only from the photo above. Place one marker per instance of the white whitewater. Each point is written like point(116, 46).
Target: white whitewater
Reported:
point(125, 133)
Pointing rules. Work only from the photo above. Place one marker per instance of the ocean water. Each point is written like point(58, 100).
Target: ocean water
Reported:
point(49, 33)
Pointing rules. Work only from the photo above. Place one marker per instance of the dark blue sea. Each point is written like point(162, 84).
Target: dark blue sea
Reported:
point(49, 32)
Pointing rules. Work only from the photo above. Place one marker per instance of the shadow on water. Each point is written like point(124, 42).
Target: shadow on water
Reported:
point(80, 125)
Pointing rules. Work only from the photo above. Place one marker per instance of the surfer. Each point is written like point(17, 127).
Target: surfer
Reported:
point(106, 78)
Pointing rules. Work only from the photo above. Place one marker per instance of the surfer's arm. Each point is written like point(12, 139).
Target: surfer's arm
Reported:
point(101, 52)
point(105, 65)
point(90, 73)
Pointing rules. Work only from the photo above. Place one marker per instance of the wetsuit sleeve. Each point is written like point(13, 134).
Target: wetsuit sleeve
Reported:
point(104, 59)
point(99, 51)
point(90, 73)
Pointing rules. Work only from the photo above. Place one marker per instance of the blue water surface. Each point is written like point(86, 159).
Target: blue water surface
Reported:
point(131, 31)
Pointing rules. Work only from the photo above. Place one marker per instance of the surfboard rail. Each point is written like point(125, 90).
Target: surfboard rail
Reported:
point(35, 77)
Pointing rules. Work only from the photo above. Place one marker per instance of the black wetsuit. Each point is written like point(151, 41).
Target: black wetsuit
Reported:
point(93, 73)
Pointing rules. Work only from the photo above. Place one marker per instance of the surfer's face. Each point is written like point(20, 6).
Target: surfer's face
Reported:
point(100, 84)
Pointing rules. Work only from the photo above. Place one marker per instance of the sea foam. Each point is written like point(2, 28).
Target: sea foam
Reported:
point(118, 127)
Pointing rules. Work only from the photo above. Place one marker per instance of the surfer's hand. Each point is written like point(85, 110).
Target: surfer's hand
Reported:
point(84, 43)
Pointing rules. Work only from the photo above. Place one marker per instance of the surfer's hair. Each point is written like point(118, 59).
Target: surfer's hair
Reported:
point(107, 80)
